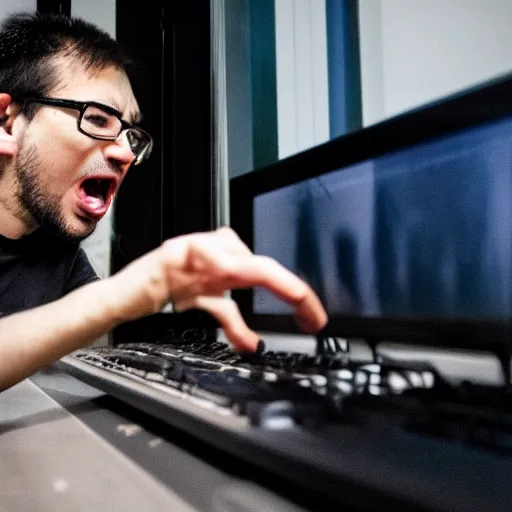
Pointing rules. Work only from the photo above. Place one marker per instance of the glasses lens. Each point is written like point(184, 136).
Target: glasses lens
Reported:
point(140, 143)
point(99, 123)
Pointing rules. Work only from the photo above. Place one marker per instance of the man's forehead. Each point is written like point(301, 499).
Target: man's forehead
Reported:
point(109, 85)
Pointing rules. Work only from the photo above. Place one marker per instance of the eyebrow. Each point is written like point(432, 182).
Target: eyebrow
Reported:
point(133, 118)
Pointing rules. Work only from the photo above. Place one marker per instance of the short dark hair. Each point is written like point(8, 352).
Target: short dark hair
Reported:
point(29, 42)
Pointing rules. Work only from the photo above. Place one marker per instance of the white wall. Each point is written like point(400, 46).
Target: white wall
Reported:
point(100, 12)
point(11, 6)
point(417, 51)
point(301, 73)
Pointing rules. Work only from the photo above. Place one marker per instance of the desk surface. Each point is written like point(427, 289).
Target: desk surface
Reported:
point(67, 446)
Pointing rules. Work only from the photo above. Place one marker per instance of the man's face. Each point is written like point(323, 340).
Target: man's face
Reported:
point(65, 179)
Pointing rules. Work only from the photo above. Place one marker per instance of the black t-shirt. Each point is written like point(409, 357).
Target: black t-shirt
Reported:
point(38, 269)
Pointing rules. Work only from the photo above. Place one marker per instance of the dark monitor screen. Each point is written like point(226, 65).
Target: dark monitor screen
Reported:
point(424, 231)
point(404, 229)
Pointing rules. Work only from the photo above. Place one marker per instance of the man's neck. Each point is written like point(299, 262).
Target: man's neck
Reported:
point(12, 227)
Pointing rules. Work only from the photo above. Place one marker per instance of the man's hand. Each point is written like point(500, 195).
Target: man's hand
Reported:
point(195, 271)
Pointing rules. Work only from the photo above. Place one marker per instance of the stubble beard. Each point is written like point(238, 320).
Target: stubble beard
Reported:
point(35, 198)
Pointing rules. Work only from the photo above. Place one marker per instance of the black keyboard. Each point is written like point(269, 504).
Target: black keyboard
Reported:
point(296, 388)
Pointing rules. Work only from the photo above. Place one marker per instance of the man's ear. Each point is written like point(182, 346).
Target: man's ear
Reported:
point(8, 112)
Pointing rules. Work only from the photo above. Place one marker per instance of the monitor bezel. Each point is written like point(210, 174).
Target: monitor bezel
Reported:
point(478, 105)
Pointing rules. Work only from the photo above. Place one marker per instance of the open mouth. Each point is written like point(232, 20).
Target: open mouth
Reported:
point(95, 194)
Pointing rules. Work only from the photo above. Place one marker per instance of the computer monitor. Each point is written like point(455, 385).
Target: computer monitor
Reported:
point(404, 229)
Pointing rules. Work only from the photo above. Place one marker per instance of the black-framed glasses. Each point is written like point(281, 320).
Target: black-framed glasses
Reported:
point(103, 122)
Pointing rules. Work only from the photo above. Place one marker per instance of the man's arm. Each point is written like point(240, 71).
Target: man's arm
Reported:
point(193, 270)
point(35, 338)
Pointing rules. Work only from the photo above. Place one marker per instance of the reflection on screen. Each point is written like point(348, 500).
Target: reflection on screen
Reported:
point(424, 231)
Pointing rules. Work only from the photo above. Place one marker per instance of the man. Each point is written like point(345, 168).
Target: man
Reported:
point(68, 136)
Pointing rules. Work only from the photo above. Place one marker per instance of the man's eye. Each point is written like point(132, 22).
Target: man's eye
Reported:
point(99, 120)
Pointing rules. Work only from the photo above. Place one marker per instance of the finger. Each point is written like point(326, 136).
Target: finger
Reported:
point(228, 315)
point(267, 272)
point(227, 271)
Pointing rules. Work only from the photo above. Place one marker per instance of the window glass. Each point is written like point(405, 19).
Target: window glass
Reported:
point(292, 74)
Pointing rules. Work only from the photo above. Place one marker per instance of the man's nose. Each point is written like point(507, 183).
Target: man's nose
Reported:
point(119, 151)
